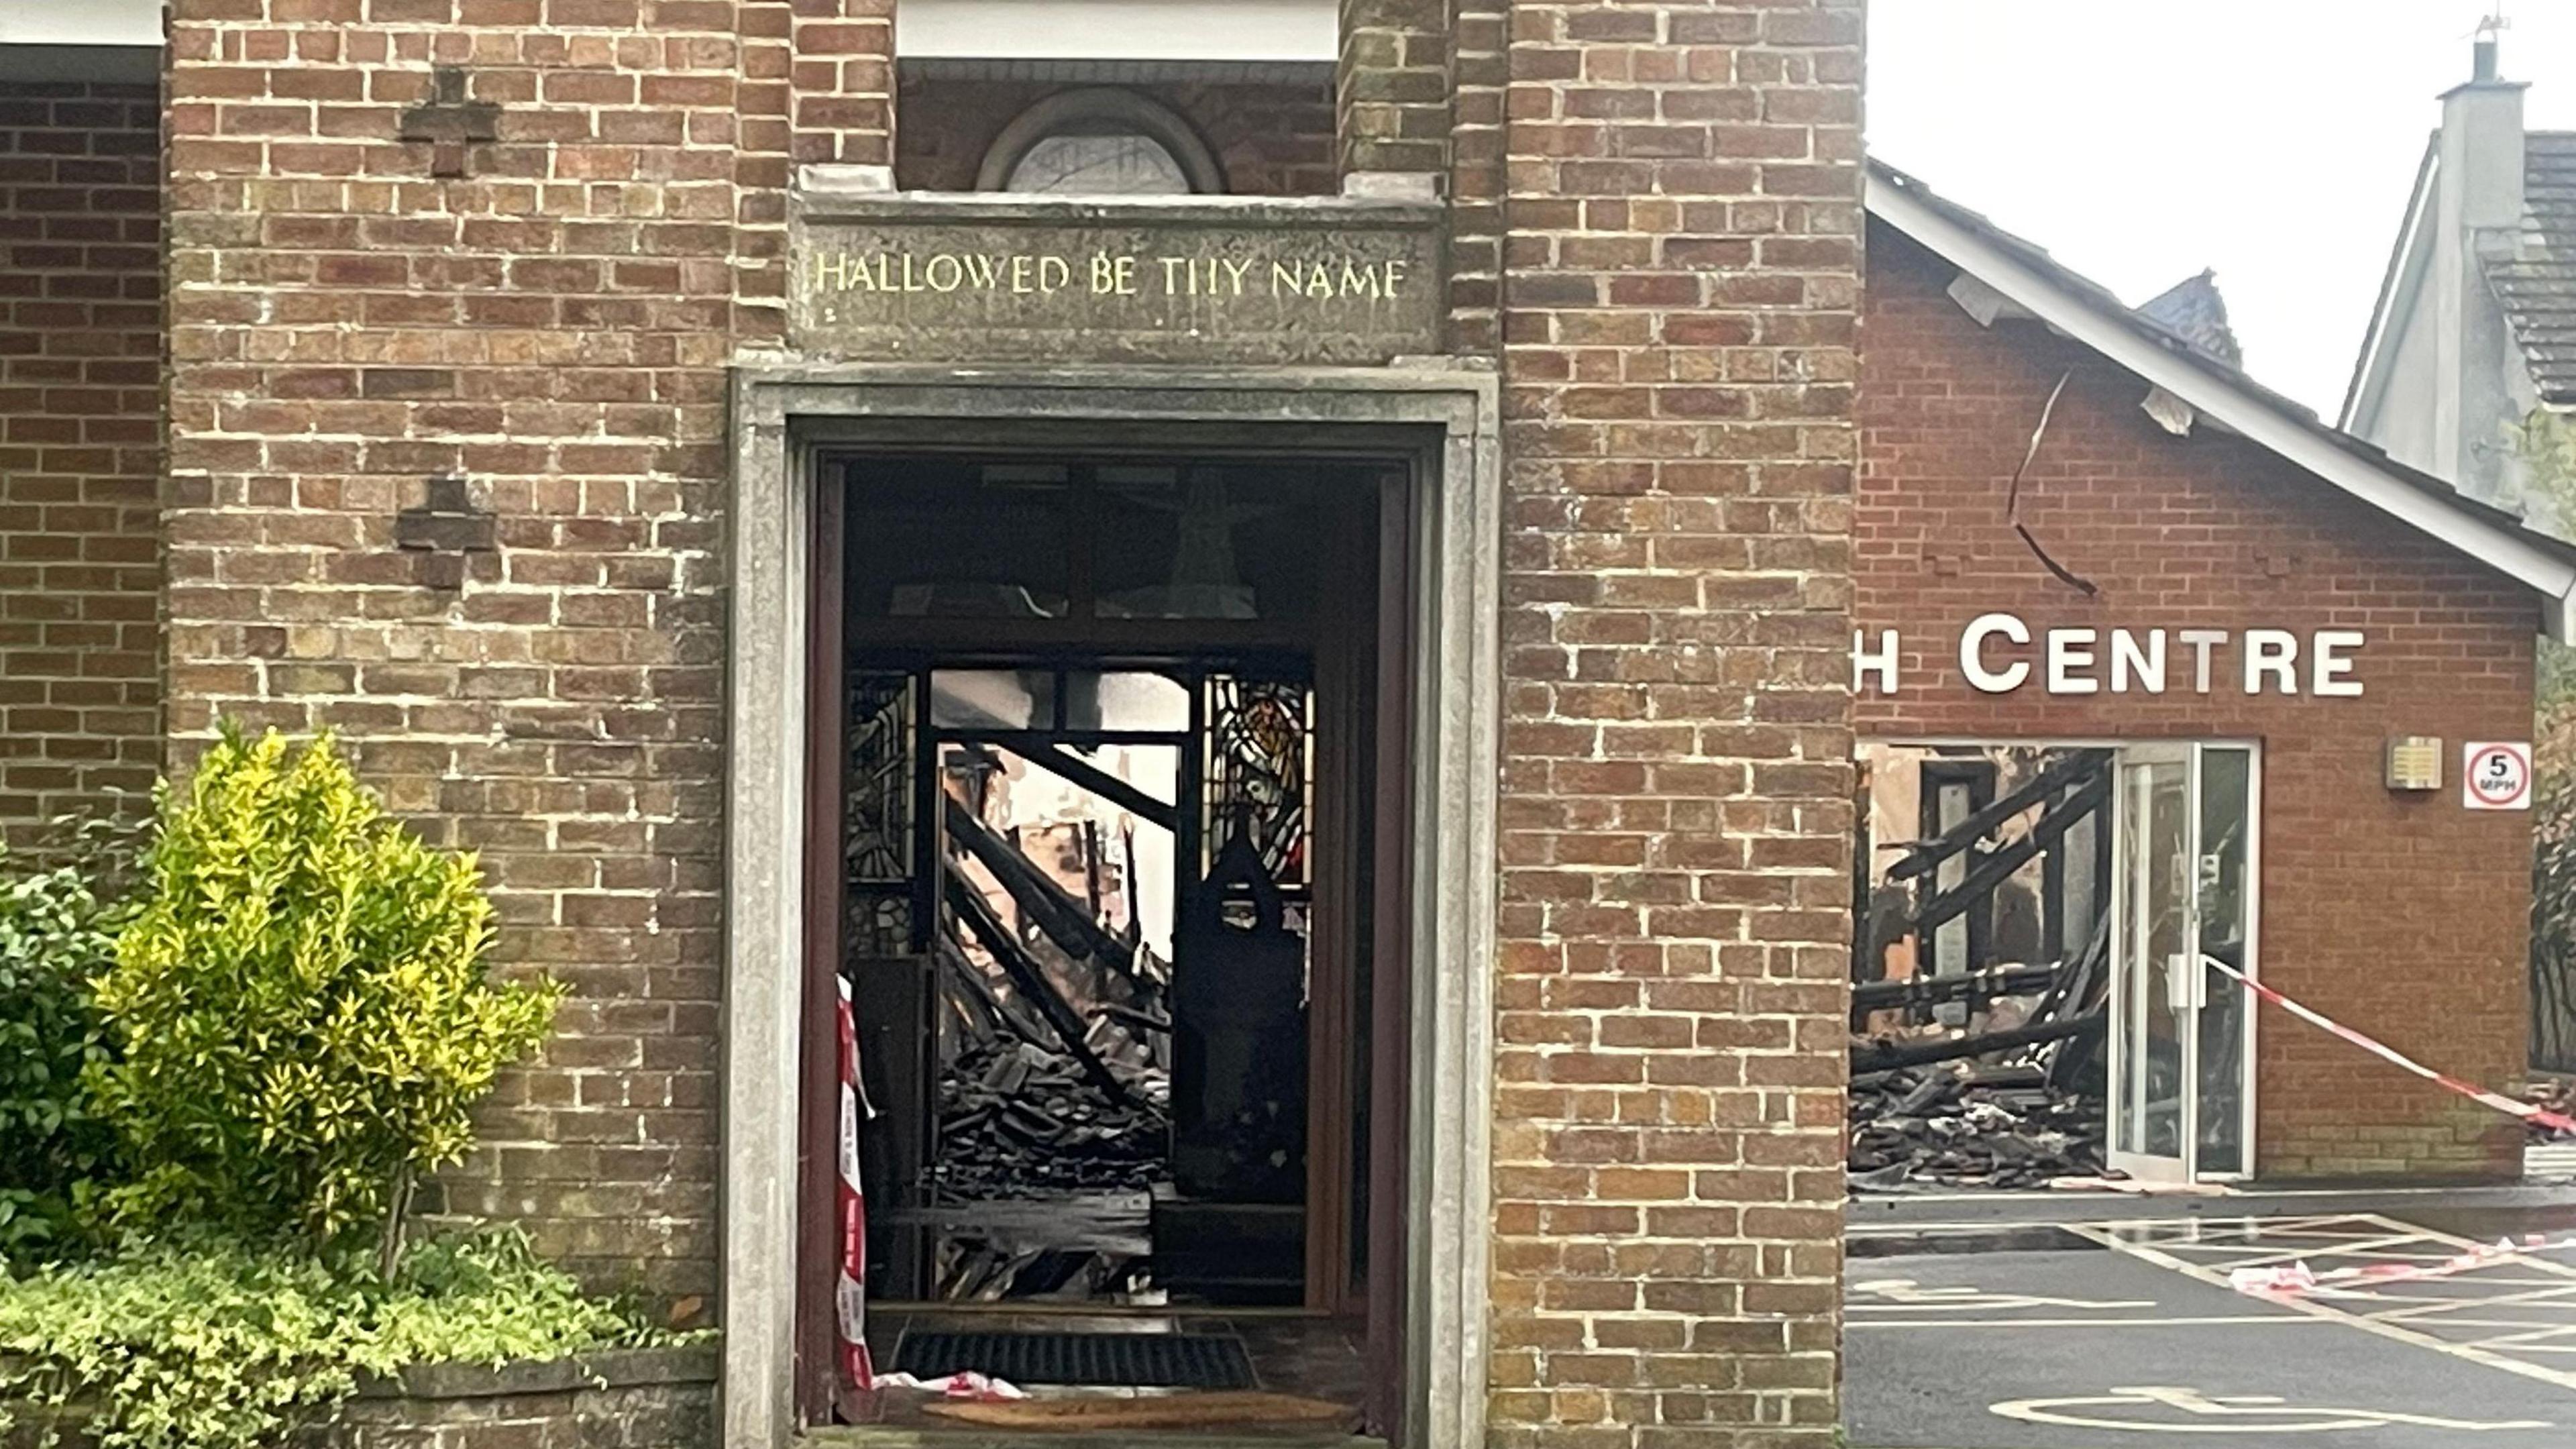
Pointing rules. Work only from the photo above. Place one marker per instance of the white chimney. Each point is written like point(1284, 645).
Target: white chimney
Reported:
point(2479, 189)
point(2482, 143)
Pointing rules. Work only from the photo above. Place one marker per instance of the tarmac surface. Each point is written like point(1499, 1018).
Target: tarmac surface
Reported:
point(2027, 1323)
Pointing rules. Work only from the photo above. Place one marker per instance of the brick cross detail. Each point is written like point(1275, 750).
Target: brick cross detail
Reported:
point(449, 122)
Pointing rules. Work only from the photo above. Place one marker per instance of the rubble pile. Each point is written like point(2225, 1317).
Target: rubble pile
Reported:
point(1992, 1127)
point(1017, 1119)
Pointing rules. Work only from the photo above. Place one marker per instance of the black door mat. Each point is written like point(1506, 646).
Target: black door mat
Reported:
point(1128, 1360)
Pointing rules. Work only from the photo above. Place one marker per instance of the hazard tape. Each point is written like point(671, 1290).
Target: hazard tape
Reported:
point(2529, 1112)
point(851, 1292)
point(850, 1297)
point(2294, 1278)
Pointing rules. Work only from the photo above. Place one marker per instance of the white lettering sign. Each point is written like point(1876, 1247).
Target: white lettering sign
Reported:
point(1972, 653)
point(1999, 653)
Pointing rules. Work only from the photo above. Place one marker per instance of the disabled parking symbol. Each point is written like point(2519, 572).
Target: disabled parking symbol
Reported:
point(2165, 1409)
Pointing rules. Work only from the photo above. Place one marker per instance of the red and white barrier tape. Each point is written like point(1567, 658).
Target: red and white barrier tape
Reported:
point(2527, 1111)
point(2292, 1278)
point(851, 1292)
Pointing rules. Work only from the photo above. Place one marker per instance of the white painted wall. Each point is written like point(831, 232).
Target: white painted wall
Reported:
point(1235, 30)
point(80, 22)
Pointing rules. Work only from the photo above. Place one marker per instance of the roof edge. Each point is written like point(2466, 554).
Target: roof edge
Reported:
point(2401, 264)
point(2547, 569)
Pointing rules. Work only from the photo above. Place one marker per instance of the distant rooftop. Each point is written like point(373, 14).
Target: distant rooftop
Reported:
point(2537, 285)
point(2192, 310)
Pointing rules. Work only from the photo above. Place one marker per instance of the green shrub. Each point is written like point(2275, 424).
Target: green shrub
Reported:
point(299, 1005)
point(209, 1345)
point(53, 1148)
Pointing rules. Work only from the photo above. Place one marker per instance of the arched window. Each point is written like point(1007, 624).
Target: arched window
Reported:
point(1100, 142)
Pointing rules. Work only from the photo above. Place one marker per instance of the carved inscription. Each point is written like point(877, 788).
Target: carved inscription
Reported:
point(1105, 275)
point(1176, 293)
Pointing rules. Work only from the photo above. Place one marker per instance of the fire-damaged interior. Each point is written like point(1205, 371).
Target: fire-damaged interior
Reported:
point(2043, 941)
point(1110, 734)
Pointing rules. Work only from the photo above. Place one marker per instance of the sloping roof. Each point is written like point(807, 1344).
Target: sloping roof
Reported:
point(2193, 310)
point(2407, 262)
point(2221, 392)
point(2537, 285)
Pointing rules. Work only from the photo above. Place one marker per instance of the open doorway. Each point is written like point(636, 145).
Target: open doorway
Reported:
point(2044, 940)
point(1117, 905)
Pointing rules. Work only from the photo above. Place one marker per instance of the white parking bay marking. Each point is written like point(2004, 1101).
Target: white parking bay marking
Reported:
point(2208, 1250)
point(1906, 1295)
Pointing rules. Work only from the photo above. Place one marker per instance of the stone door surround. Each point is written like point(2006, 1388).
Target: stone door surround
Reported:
point(1443, 418)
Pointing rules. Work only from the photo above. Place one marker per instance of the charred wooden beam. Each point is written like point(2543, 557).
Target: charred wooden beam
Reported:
point(1887, 1057)
point(1050, 906)
point(1932, 990)
point(1923, 855)
point(1059, 760)
point(2074, 989)
point(1993, 870)
point(979, 998)
point(1026, 975)
point(1143, 1020)
point(2086, 988)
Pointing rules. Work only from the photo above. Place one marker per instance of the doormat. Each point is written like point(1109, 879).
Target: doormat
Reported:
point(1159, 1411)
point(1127, 1360)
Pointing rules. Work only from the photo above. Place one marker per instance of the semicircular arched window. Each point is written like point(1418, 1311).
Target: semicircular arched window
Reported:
point(1100, 142)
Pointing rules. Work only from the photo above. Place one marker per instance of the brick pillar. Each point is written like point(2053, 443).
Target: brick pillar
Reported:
point(1481, 72)
point(1392, 94)
point(447, 458)
point(844, 82)
point(763, 168)
point(1681, 270)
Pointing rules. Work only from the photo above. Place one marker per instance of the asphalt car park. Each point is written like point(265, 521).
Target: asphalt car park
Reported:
point(2353, 1330)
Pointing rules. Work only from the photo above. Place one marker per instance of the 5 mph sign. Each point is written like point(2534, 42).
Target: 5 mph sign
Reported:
point(2496, 776)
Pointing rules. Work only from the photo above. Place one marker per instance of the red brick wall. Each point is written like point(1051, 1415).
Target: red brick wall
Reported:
point(553, 327)
point(2403, 916)
point(80, 423)
point(1272, 139)
point(1681, 258)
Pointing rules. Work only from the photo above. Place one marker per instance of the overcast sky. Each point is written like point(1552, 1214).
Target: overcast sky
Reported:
point(2271, 139)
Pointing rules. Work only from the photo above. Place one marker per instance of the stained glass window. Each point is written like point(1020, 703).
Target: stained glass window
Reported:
point(878, 834)
point(1259, 765)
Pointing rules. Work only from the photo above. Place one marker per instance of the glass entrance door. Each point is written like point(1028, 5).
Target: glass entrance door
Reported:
point(2183, 906)
point(2151, 981)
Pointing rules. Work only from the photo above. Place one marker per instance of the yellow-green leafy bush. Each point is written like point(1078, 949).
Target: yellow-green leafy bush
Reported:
point(210, 1344)
point(299, 1004)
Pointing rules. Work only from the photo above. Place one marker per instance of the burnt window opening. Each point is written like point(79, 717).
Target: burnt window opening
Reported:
point(1216, 540)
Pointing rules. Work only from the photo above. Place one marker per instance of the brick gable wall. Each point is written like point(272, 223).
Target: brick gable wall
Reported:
point(1662, 239)
point(552, 328)
point(2368, 897)
point(80, 422)
point(1680, 253)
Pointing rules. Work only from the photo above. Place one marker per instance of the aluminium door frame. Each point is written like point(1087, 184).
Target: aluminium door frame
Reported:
point(2119, 746)
point(2131, 981)
point(2191, 751)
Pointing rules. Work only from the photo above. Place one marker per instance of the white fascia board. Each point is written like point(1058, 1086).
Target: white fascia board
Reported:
point(2399, 292)
point(1224, 30)
point(2502, 549)
point(80, 22)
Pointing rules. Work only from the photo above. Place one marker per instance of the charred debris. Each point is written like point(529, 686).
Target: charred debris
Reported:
point(1981, 969)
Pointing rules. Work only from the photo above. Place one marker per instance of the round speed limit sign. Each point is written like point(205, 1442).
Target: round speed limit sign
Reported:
point(2496, 776)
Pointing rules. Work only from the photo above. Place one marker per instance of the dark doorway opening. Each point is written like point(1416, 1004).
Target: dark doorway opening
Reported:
point(1111, 884)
